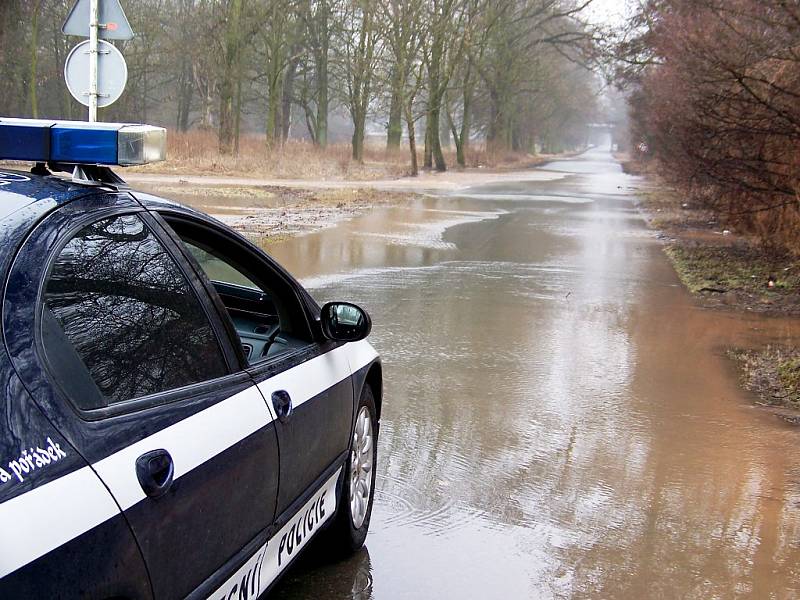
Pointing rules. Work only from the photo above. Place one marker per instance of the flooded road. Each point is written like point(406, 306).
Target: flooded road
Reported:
point(559, 418)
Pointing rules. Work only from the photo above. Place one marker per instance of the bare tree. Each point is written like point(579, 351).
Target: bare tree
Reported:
point(277, 52)
point(717, 106)
point(445, 51)
point(359, 46)
point(461, 68)
point(316, 16)
point(405, 31)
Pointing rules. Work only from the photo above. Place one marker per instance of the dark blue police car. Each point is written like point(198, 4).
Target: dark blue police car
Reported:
point(178, 417)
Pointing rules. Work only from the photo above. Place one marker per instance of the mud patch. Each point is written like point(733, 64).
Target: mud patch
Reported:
point(276, 212)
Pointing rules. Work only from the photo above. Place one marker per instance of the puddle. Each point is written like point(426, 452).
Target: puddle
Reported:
point(560, 419)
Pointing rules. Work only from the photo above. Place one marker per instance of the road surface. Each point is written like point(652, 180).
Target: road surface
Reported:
point(560, 417)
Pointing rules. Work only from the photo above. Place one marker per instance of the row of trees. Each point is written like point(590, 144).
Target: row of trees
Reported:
point(511, 72)
point(716, 102)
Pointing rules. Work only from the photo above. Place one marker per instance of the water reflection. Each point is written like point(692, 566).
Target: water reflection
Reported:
point(317, 575)
point(117, 299)
point(560, 419)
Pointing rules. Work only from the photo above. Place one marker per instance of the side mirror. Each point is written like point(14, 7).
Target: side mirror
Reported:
point(344, 322)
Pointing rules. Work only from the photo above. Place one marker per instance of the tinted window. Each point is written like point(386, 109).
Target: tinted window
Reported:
point(217, 269)
point(262, 305)
point(129, 313)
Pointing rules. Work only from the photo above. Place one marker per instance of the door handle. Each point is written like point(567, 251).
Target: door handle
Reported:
point(155, 471)
point(282, 402)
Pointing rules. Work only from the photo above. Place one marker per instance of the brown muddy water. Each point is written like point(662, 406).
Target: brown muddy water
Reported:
point(560, 419)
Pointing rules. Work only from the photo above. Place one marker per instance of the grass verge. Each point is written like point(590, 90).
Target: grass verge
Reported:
point(741, 268)
point(721, 268)
point(772, 373)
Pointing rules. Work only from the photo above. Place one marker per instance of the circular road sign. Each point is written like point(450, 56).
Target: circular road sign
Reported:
point(112, 73)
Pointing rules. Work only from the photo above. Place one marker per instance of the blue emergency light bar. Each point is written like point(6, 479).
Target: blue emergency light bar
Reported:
point(78, 142)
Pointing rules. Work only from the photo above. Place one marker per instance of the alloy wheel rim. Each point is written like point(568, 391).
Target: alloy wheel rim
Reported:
point(361, 459)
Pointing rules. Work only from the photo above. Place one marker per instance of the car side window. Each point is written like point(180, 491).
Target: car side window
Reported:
point(264, 310)
point(117, 304)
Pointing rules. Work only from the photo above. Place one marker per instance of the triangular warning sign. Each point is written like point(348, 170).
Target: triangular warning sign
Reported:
point(113, 22)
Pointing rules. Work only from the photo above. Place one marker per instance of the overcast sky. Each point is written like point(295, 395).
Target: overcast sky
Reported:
point(611, 12)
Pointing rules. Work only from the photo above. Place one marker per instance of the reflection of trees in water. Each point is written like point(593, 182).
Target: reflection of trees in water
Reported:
point(129, 311)
point(317, 574)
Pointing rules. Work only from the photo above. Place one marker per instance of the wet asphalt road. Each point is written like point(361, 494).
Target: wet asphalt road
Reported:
point(560, 419)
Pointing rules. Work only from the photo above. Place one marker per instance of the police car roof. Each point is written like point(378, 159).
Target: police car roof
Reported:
point(19, 189)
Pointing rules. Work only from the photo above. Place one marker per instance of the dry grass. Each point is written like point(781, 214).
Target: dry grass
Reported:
point(197, 152)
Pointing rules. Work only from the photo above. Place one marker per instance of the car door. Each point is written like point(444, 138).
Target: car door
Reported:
point(142, 381)
point(306, 379)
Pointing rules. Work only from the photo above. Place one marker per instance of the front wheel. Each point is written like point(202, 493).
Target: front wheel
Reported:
point(358, 489)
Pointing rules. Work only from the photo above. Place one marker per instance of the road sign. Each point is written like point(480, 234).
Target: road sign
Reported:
point(113, 24)
point(112, 73)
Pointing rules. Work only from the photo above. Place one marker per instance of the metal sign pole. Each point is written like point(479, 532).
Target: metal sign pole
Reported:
point(93, 56)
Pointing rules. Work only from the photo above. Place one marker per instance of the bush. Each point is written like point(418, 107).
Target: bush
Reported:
point(718, 109)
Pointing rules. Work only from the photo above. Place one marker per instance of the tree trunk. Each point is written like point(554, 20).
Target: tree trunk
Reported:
point(412, 139)
point(458, 139)
point(288, 96)
point(466, 120)
point(322, 105)
point(275, 102)
point(358, 139)
point(65, 99)
point(463, 146)
point(394, 130)
point(360, 106)
point(321, 133)
point(226, 116)
point(436, 144)
point(435, 91)
point(185, 76)
point(427, 158)
point(498, 137)
point(34, 75)
point(185, 89)
point(227, 86)
point(237, 126)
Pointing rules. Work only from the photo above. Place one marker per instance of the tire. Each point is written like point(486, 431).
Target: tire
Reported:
point(351, 524)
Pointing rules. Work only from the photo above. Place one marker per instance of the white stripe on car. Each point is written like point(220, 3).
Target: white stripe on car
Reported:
point(49, 516)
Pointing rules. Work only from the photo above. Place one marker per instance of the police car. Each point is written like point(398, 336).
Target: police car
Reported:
point(179, 418)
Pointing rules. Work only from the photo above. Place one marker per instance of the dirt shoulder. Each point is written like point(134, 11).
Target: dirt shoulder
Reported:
point(276, 212)
point(725, 270)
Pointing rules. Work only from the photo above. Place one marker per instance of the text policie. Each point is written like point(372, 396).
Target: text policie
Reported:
point(302, 527)
point(249, 587)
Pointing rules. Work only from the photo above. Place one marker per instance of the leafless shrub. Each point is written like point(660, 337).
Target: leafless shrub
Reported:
point(718, 107)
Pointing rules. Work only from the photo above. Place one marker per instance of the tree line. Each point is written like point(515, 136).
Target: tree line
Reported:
point(511, 73)
point(715, 104)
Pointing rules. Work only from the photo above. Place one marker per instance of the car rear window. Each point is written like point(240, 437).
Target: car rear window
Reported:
point(128, 312)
